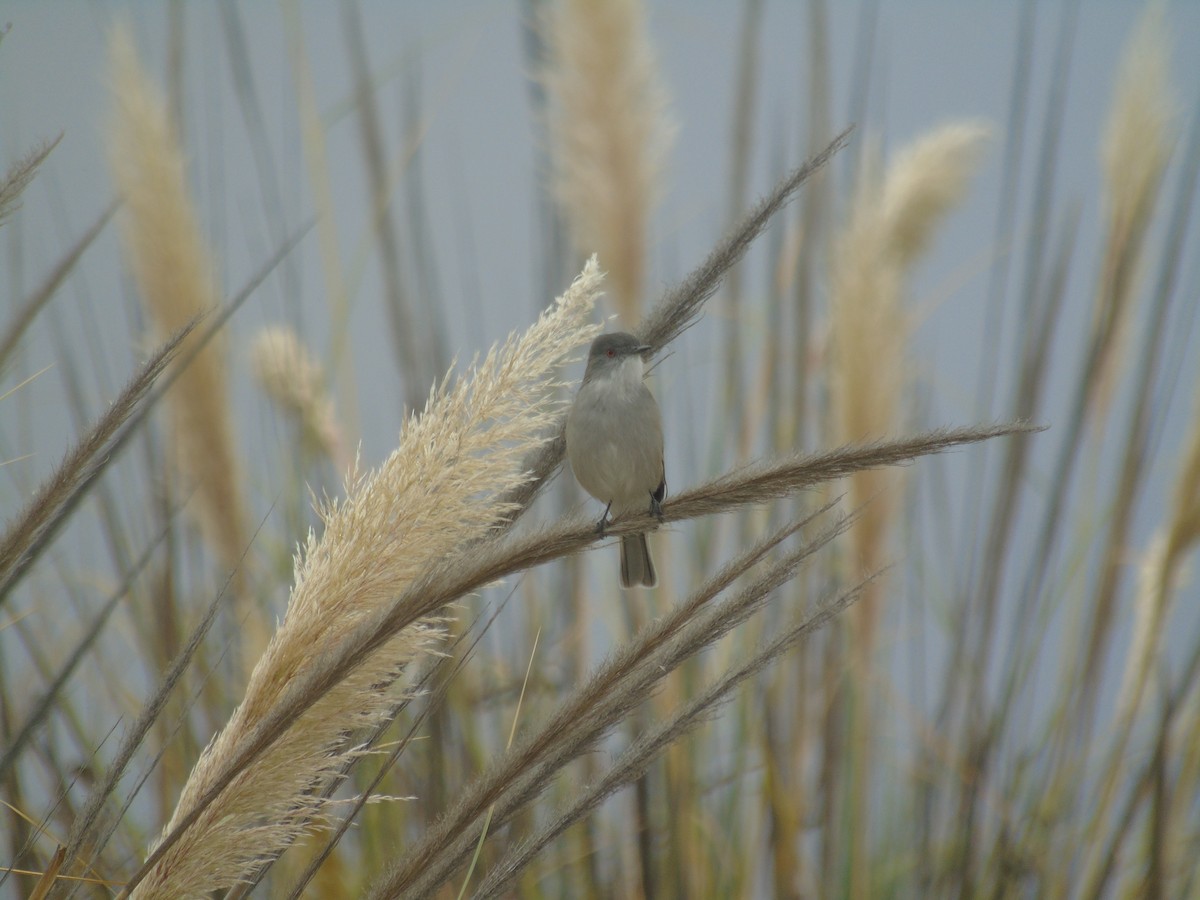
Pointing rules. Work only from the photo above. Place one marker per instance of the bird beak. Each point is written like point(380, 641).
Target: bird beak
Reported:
point(643, 348)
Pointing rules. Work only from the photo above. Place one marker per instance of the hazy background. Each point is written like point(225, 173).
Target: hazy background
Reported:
point(453, 85)
point(453, 89)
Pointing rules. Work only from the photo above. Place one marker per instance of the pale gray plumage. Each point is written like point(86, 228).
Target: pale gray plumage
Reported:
point(615, 443)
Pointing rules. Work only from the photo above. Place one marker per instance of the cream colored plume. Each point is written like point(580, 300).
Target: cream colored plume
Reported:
point(1139, 136)
point(609, 132)
point(891, 222)
point(436, 493)
point(173, 271)
point(1138, 142)
point(296, 382)
point(1159, 574)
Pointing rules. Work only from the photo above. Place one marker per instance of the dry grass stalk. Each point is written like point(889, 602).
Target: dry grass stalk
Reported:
point(22, 317)
point(174, 274)
point(1159, 574)
point(38, 515)
point(1138, 142)
point(611, 693)
point(18, 176)
point(610, 134)
point(438, 491)
point(891, 223)
point(633, 762)
point(295, 381)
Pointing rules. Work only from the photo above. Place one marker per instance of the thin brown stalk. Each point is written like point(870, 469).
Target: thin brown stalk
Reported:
point(633, 761)
point(21, 320)
point(741, 135)
point(317, 165)
point(88, 822)
point(19, 175)
point(1159, 840)
point(411, 348)
point(29, 525)
point(613, 692)
point(812, 232)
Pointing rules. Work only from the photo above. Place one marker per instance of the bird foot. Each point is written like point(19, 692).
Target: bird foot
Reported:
point(656, 509)
point(602, 525)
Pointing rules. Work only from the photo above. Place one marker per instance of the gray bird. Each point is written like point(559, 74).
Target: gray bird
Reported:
point(615, 444)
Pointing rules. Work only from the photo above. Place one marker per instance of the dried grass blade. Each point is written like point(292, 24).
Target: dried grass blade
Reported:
point(88, 822)
point(18, 176)
point(45, 704)
point(608, 695)
point(634, 761)
point(24, 316)
point(88, 456)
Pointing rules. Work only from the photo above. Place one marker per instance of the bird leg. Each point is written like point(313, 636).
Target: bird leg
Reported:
point(603, 523)
point(656, 508)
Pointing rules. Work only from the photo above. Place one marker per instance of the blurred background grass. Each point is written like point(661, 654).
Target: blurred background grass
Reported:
point(1011, 709)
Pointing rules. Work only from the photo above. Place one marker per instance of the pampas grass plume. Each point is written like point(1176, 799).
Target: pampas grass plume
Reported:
point(1159, 573)
point(1138, 142)
point(890, 224)
point(609, 134)
point(1139, 135)
point(440, 490)
point(296, 382)
point(173, 271)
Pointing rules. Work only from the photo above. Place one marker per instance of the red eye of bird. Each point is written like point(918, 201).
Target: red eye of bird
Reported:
point(611, 352)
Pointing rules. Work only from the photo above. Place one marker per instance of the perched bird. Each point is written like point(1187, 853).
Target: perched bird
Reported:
point(615, 444)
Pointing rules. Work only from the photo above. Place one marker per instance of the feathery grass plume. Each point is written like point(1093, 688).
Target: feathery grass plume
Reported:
point(18, 176)
point(891, 222)
point(296, 382)
point(890, 225)
point(173, 271)
point(437, 492)
point(1138, 141)
point(480, 563)
point(1159, 572)
point(610, 134)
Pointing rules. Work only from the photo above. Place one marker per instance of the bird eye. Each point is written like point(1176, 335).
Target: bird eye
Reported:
point(610, 352)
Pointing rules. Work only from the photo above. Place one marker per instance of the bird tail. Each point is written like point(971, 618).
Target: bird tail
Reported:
point(636, 565)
